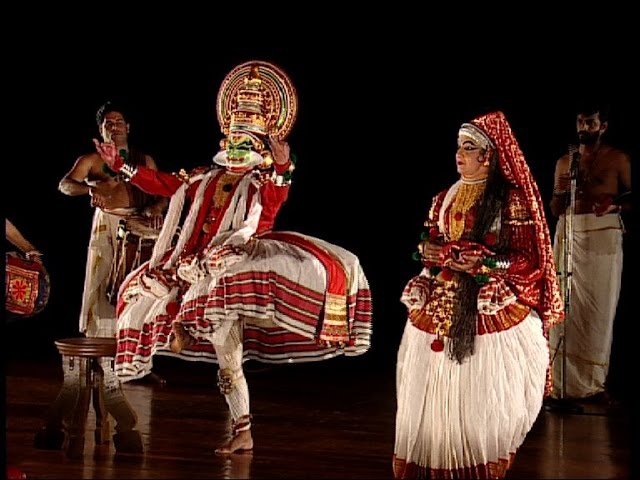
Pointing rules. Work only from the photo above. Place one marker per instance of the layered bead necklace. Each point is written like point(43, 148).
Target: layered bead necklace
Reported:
point(468, 194)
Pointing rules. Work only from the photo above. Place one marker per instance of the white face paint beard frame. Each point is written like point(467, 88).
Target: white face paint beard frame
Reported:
point(252, 160)
point(249, 161)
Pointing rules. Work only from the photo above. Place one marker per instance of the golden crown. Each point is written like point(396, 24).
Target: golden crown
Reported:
point(257, 97)
point(248, 114)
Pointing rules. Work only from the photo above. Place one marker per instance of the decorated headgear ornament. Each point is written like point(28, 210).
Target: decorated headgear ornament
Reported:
point(256, 100)
point(516, 171)
point(469, 130)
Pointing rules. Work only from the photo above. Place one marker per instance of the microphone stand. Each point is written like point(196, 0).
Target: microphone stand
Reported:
point(562, 403)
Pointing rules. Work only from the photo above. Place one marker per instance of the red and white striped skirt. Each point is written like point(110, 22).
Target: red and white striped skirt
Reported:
point(300, 299)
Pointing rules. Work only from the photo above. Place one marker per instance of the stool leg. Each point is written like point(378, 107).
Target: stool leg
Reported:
point(126, 439)
point(102, 416)
point(51, 436)
point(75, 413)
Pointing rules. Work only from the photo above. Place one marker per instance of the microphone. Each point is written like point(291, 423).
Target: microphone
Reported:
point(574, 154)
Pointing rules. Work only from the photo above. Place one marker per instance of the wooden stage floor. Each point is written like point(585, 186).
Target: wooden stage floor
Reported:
point(333, 419)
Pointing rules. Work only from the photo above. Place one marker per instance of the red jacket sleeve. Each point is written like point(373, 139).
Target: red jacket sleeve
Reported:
point(525, 271)
point(521, 252)
point(273, 197)
point(155, 182)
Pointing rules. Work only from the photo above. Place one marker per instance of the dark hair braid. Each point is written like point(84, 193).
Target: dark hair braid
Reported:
point(465, 315)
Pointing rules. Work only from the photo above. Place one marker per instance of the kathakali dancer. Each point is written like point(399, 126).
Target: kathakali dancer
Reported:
point(473, 364)
point(233, 289)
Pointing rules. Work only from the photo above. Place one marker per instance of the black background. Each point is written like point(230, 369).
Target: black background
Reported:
point(375, 136)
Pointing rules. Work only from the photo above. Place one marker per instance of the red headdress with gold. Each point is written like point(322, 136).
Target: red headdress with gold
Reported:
point(256, 100)
point(516, 171)
point(257, 96)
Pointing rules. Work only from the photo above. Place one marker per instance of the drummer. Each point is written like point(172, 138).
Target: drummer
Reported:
point(135, 238)
point(118, 206)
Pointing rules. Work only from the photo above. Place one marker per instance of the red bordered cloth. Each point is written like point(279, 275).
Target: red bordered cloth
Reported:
point(27, 285)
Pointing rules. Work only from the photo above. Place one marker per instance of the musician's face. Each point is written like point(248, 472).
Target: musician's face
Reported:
point(589, 128)
point(114, 128)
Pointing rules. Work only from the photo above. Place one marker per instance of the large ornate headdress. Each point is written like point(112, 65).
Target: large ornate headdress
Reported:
point(256, 100)
point(496, 129)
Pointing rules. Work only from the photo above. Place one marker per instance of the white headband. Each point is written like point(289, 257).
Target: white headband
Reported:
point(476, 134)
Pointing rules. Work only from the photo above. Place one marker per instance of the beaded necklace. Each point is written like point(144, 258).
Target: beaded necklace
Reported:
point(469, 193)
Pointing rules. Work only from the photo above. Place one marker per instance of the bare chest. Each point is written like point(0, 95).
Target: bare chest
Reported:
point(596, 173)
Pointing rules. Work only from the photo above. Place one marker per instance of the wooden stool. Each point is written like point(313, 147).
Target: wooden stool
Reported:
point(88, 373)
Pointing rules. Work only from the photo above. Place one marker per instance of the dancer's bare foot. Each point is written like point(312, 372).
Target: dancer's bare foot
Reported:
point(242, 442)
point(181, 338)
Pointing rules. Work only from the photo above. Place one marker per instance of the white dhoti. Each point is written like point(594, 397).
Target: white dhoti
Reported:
point(595, 290)
point(108, 264)
point(97, 315)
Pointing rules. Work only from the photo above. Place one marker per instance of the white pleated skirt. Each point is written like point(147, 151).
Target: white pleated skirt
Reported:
point(465, 421)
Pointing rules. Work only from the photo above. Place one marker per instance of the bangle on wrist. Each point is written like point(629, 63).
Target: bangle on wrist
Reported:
point(497, 262)
point(128, 171)
point(283, 180)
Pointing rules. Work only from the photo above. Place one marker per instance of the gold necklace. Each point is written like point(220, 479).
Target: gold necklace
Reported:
point(466, 197)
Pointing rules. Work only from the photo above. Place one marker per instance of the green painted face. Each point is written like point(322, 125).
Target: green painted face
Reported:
point(239, 148)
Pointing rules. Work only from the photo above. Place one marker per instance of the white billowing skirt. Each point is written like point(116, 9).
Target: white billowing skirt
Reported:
point(468, 418)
